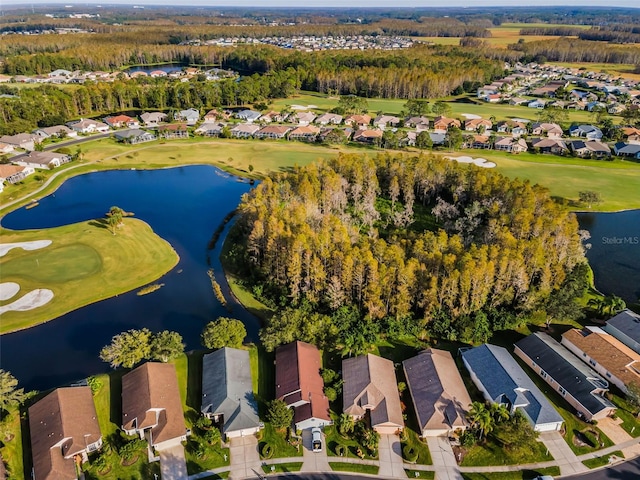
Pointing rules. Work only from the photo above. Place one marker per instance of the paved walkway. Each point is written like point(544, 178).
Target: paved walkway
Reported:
point(313, 461)
point(173, 465)
point(612, 429)
point(444, 460)
point(245, 459)
point(390, 457)
point(567, 460)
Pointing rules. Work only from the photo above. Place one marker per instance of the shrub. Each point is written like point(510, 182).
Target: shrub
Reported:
point(467, 439)
point(266, 451)
point(203, 423)
point(409, 453)
point(95, 383)
point(341, 450)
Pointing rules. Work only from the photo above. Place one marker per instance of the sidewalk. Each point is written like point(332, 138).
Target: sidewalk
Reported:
point(444, 460)
point(568, 462)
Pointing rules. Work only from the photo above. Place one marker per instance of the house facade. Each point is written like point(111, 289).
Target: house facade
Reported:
point(153, 119)
point(300, 386)
point(578, 384)
point(501, 380)
point(43, 160)
point(227, 393)
point(173, 130)
point(274, 132)
point(134, 136)
point(625, 326)
point(438, 394)
point(64, 429)
point(370, 386)
point(26, 141)
point(14, 173)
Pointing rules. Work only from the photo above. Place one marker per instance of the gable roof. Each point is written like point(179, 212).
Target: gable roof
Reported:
point(626, 322)
point(298, 379)
point(66, 415)
point(153, 386)
point(370, 384)
point(439, 396)
point(608, 351)
point(565, 368)
point(227, 388)
point(506, 382)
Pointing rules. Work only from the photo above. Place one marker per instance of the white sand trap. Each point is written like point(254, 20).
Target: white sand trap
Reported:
point(8, 290)
point(33, 299)
point(302, 107)
point(35, 245)
point(470, 116)
point(480, 162)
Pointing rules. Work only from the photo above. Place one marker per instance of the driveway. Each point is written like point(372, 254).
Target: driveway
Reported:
point(444, 460)
point(390, 455)
point(612, 429)
point(173, 465)
point(567, 460)
point(245, 459)
point(313, 461)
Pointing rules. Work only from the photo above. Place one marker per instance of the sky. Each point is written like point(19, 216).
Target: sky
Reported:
point(351, 3)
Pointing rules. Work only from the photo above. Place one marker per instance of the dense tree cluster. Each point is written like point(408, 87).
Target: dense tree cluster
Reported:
point(133, 346)
point(572, 50)
point(411, 244)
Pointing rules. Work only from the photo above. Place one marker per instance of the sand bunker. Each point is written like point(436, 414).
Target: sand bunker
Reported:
point(470, 116)
point(480, 162)
point(33, 299)
point(8, 290)
point(302, 107)
point(35, 245)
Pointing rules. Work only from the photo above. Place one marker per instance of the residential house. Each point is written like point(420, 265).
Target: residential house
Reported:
point(302, 118)
point(60, 131)
point(511, 126)
point(585, 131)
point(420, 123)
point(443, 123)
point(86, 125)
point(272, 131)
point(214, 115)
point(478, 141)
point(210, 129)
point(366, 135)
point(549, 145)
point(173, 130)
point(623, 149)
point(300, 386)
point(625, 326)
point(307, 133)
point(616, 108)
point(577, 105)
point(60, 73)
point(596, 106)
point(438, 394)
point(120, 121)
point(558, 104)
point(358, 120)
point(14, 173)
point(153, 119)
point(370, 386)
point(248, 116)
point(43, 160)
point(551, 130)
point(5, 148)
point(539, 104)
point(607, 355)
point(335, 135)
point(64, 428)
point(26, 141)
point(501, 380)
point(227, 392)
point(329, 119)
point(437, 138)
point(157, 73)
point(578, 384)
point(631, 134)
point(492, 98)
point(151, 405)
point(511, 144)
point(482, 92)
point(244, 130)
point(382, 121)
point(134, 136)
point(518, 101)
point(475, 124)
point(590, 149)
point(272, 117)
point(190, 116)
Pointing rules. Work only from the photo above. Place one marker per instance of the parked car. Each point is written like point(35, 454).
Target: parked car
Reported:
point(316, 439)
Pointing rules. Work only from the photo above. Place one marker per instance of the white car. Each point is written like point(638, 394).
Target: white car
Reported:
point(316, 439)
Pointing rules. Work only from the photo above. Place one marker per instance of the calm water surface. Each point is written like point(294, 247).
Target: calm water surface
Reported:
point(184, 206)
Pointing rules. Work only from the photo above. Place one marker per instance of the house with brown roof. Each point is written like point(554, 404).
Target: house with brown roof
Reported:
point(366, 135)
point(214, 115)
point(300, 386)
point(551, 130)
point(14, 173)
point(244, 130)
point(444, 123)
point(439, 397)
point(511, 144)
point(473, 124)
point(43, 160)
point(302, 118)
point(605, 354)
point(370, 385)
point(382, 121)
point(307, 133)
point(173, 130)
point(26, 141)
point(151, 405)
point(153, 119)
point(550, 145)
point(274, 132)
point(119, 121)
point(63, 427)
point(329, 118)
point(358, 120)
point(5, 148)
point(420, 123)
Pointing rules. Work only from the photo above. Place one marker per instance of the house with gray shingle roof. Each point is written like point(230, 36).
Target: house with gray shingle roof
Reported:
point(227, 393)
point(501, 380)
point(625, 326)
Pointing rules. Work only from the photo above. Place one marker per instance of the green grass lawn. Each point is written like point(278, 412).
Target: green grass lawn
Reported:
point(520, 475)
point(412, 439)
point(11, 443)
point(282, 467)
point(85, 263)
point(420, 474)
point(333, 439)
point(490, 454)
point(354, 467)
point(278, 441)
point(601, 461)
point(626, 413)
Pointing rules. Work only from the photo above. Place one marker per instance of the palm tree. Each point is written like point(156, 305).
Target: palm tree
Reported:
point(499, 412)
point(481, 419)
point(607, 306)
point(346, 424)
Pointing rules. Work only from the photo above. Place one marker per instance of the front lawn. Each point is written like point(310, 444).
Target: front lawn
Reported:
point(11, 443)
point(626, 413)
point(491, 453)
point(282, 467)
point(333, 439)
point(280, 445)
point(420, 474)
point(520, 475)
point(602, 461)
point(354, 467)
point(413, 441)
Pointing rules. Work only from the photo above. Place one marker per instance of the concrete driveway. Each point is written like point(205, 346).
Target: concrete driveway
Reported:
point(444, 460)
point(173, 465)
point(314, 461)
point(558, 448)
point(390, 455)
point(245, 459)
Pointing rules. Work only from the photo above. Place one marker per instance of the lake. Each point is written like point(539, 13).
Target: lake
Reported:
point(166, 67)
point(614, 254)
point(184, 206)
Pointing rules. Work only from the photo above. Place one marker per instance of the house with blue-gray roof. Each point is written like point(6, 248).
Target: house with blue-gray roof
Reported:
point(501, 380)
point(227, 393)
point(625, 326)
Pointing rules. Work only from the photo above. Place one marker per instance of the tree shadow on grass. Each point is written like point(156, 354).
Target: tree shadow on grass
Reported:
point(99, 223)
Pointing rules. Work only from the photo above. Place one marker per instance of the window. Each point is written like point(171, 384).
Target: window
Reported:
point(543, 374)
point(608, 375)
point(562, 391)
point(584, 354)
point(592, 362)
